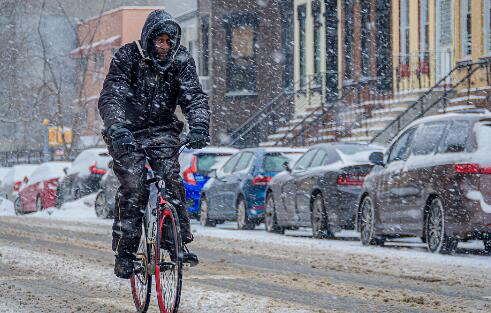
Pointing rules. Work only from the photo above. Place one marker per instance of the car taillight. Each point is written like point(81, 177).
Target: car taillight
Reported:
point(17, 185)
point(188, 174)
point(52, 183)
point(261, 180)
point(472, 169)
point(94, 170)
point(350, 180)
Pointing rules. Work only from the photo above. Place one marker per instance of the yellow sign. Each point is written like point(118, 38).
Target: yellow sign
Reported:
point(57, 136)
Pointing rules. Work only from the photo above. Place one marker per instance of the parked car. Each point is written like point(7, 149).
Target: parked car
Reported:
point(320, 191)
point(15, 180)
point(434, 182)
point(3, 173)
point(84, 176)
point(40, 191)
point(195, 169)
point(236, 191)
point(105, 199)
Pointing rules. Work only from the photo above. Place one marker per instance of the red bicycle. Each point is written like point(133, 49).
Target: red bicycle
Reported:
point(160, 252)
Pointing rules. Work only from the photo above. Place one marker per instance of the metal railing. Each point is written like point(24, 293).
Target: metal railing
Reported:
point(269, 118)
point(425, 104)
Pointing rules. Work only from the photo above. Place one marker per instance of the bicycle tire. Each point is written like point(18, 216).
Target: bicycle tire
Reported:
point(141, 298)
point(168, 243)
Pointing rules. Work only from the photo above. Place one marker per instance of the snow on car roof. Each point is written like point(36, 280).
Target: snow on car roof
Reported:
point(448, 116)
point(48, 170)
point(18, 172)
point(284, 150)
point(3, 172)
point(86, 158)
point(216, 150)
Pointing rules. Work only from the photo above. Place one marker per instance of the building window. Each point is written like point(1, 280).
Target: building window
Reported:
point(205, 27)
point(95, 66)
point(241, 53)
point(383, 55)
point(348, 39)
point(287, 39)
point(465, 27)
point(366, 46)
point(487, 25)
point(404, 32)
point(331, 26)
point(101, 65)
point(302, 70)
point(316, 15)
point(424, 29)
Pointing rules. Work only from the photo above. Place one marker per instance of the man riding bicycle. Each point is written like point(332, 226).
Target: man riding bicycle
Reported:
point(147, 79)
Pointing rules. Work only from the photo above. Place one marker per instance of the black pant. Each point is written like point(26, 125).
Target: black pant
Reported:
point(132, 196)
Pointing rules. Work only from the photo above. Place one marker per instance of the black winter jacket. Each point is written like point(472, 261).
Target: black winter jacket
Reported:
point(143, 93)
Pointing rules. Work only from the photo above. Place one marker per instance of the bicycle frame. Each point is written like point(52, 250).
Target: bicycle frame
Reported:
point(153, 260)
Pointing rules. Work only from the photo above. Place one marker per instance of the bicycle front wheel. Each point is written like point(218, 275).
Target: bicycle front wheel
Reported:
point(169, 254)
point(141, 280)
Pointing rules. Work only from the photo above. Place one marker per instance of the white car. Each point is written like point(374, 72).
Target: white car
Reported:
point(15, 179)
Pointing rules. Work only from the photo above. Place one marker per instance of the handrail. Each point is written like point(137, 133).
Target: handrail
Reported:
point(414, 104)
point(256, 118)
point(314, 112)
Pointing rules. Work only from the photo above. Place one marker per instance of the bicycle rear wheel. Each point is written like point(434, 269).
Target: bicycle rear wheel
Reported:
point(141, 280)
point(168, 272)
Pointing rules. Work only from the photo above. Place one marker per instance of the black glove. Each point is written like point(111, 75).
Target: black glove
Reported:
point(198, 137)
point(122, 140)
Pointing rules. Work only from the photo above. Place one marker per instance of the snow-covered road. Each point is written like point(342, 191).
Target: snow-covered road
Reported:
point(53, 263)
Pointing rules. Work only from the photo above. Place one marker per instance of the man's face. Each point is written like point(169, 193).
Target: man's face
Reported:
point(163, 45)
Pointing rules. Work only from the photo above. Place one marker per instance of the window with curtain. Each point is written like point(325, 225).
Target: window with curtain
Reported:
point(348, 39)
point(316, 15)
point(404, 31)
point(465, 27)
point(424, 30)
point(302, 70)
point(241, 54)
point(487, 25)
point(366, 46)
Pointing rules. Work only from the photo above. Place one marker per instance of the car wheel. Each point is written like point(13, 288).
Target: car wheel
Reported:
point(270, 220)
point(39, 204)
point(76, 194)
point(203, 213)
point(367, 224)
point(487, 246)
point(17, 206)
point(320, 226)
point(243, 221)
point(437, 239)
point(59, 197)
point(100, 206)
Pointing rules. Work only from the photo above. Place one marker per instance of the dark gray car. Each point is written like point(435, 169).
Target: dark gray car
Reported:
point(434, 182)
point(321, 190)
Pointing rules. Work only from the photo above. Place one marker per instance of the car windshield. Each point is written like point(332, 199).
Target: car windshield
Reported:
point(273, 162)
point(206, 162)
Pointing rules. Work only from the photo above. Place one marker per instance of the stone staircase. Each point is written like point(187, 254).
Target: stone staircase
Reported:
point(365, 116)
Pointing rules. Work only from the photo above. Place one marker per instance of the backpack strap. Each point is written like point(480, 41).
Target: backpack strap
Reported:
point(141, 50)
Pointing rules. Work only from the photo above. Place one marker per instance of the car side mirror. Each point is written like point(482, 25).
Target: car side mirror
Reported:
point(26, 180)
point(377, 158)
point(286, 166)
point(213, 173)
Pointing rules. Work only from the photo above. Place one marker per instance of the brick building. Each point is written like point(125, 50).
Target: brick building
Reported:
point(246, 54)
